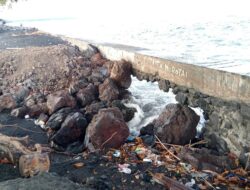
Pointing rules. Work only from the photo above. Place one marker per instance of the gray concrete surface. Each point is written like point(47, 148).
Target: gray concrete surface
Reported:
point(18, 37)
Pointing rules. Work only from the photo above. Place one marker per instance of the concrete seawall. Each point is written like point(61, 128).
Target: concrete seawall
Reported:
point(217, 83)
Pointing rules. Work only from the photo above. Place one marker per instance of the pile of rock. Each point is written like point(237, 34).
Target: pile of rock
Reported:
point(74, 97)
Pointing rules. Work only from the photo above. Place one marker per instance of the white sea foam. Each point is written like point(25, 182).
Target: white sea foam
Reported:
point(149, 102)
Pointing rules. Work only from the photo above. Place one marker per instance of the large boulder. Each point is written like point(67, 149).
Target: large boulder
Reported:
point(176, 124)
point(56, 119)
point(108, 91)
point(107, 129)
point(59, 100)
point(87, 95)
point(7, 101)
point(128, 113)
point(93, 109)
point(121, 73)
point(72, 130)
point(33, 164)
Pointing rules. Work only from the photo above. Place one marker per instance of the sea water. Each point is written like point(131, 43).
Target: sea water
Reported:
point(149, 102)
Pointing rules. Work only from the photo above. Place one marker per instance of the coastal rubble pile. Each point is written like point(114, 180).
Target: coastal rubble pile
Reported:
point(77, 100)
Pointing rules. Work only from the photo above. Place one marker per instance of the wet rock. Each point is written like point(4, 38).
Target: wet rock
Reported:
point(7, 101)
point(128, 113)
point(56, 119)
point(20, 112)
point(72, 130)
point(182, 98)
point(87, 95)
point(121, 74)
point(164, 85)
point(147, 130)
point(59, 100)
point(33, 164)
point(203, 159)
point(107, 129)
point(125, 94)
point(147, 107)
point(108, 91)
point(176, 124)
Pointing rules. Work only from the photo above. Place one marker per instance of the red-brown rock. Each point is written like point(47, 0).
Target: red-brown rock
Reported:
point(33, 164)
point(107, 129)
point(108, 91)
point(87, 95)
point(37, 109)
point(59, 100)
point(176, 124)
point(121, 73)
point(97, 59)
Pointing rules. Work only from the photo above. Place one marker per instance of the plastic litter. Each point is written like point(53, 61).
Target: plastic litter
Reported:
point(124, 168)
point(26, 116)
point(131, 138)
point(117, 153)
point(40, 123)
point(190, 184)
point(147, 160)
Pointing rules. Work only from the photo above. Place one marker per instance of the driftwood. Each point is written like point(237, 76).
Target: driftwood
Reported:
point(168, 182)
point(11, 148)
point(14, 150)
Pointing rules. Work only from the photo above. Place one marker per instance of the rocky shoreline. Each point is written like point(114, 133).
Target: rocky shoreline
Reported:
point(62, 112)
